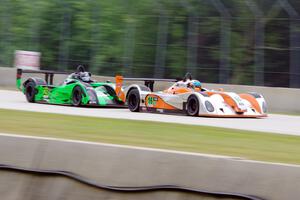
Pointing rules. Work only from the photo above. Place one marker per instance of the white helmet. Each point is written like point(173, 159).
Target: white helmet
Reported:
point(85, 76)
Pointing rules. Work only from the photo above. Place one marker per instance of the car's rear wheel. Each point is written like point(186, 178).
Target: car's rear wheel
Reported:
point(30, 91)
point(133, 100)
point(193, 106)
point(77, 96)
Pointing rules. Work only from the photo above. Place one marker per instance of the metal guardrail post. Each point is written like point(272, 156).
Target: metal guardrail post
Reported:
point(5, 33)
point(224, 68)
point(259, 57)
point(63, 55)
point(162, 39)
point(95, 36)
point(192, 43)
point(294, 18)
point(34, 44)
point(129, 43)
point(295, 52)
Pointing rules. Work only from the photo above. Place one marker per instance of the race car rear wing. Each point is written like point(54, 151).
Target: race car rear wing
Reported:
point(149, 82)
point(48, 75)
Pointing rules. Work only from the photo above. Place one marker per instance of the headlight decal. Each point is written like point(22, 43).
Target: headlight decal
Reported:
point(209, 106)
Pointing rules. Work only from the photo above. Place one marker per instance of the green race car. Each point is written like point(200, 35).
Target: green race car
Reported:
point(78, 89)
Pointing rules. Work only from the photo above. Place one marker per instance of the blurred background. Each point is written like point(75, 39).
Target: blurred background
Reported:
point(253, 42)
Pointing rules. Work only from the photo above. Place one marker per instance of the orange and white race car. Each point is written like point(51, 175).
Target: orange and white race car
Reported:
point(188, 96)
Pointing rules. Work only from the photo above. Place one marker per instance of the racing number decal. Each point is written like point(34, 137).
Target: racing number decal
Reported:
point(154, 101)
point(46, 92)
point(151, 101)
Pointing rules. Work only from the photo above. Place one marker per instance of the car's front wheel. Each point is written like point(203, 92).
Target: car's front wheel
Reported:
point(193, 106)
point(77, 96)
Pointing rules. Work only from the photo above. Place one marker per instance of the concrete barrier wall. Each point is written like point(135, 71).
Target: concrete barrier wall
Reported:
point(281, 100)
point(126, 166)
point(7, 77)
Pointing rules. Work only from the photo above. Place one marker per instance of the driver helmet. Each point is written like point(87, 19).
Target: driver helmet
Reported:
point(197, 84)
point(194, 84)
point(85, 76)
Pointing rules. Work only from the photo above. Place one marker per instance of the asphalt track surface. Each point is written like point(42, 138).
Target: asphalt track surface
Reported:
point(274, 123)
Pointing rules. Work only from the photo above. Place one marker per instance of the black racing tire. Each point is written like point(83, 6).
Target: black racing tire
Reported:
point(193, 106)
point(30, 91)
point(133, 100)
point(77, 96)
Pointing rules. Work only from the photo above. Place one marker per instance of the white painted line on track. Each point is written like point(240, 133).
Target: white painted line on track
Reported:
point(281, 124)
point(143, 149)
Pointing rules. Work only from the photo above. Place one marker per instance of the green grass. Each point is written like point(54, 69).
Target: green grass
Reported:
point(245, 144)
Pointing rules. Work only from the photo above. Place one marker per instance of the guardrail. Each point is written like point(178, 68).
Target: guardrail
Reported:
point(132, 166)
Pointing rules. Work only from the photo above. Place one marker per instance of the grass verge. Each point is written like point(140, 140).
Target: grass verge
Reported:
point(245, 144)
